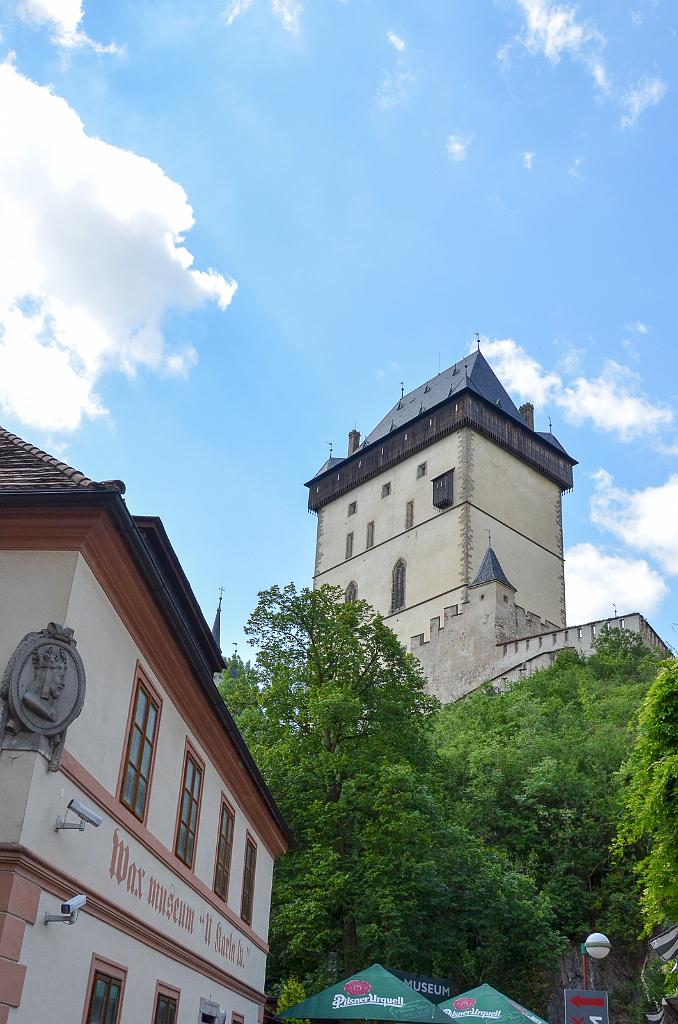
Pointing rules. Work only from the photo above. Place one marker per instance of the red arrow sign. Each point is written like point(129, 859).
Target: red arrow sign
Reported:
point(587, 1001)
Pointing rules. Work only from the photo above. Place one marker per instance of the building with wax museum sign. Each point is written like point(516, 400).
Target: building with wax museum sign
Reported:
point(447, 518)
point(137, 837)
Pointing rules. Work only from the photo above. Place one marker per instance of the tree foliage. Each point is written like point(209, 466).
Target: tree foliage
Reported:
point(534, 772)
point(650, 821)
point(386, 868)
point(470, 841)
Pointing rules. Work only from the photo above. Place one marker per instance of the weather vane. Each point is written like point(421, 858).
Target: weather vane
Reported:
point(402, 388)
point(331, 446)
point(478, 339)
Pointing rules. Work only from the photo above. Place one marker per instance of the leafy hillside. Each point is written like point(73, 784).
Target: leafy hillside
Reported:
point(471, 841)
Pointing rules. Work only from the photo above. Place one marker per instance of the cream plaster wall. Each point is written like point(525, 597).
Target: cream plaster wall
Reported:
point(35, 590)
point(60, 956)
point(110, 657)
point(39, 587)
point(95, 858)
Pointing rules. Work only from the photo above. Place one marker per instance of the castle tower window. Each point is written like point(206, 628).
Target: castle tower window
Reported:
point(421, 470)
point(349, 545)
point(352, 508)
point(398, 586)
point(409, 515)
point(351, 593)
point(369, 540)
point(385, 490)
point(442, 490)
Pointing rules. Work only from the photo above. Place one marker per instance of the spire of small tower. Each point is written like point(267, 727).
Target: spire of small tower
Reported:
point(216, 628)
point(490, 571)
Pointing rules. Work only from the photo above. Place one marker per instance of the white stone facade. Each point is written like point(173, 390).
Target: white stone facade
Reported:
point(494, 491)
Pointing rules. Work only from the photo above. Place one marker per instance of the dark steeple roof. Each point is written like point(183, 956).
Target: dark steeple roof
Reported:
point(490, 571)
point(474, 372)
point(216, 628)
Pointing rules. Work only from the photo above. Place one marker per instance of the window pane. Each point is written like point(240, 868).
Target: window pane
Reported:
point(186, 807)
point(181, 842)
point(190, 841)
point(146, 759)
point(140, 801)
point(142, 704)
point(100, 988)
point(113, 999)
point(194, 816)
point(197, 779)
point(189, 774)
point(152, 715)
point(128, 786)
point(134, 746)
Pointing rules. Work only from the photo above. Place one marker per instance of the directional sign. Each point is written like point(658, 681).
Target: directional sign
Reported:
point(583, 1006)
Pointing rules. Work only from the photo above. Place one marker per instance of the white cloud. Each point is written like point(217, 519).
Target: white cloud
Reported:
point(235, 9)
point(647, 92)
point(639, 327)
point(65, 17)
point(528, 160)
point(396, 42)
point(613, 401)
point(394, 88)
point(396, 83)
point(93, 259)
point(553, 29)
point(645, 519)
point(457, 147)
point(595, 581)
point(573, 169)
point(289, 12)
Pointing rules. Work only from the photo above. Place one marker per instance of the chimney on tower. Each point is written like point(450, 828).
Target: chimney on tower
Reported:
point(527, 412)
point(353, 441)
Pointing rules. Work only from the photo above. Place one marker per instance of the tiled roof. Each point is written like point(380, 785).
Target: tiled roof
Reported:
point(23, 467)
point(332, 461)
point(490, 571)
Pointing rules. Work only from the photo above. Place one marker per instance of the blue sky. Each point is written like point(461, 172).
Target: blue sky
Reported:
point(381, 179)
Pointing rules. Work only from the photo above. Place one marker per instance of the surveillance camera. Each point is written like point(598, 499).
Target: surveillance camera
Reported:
point(73, 905)
point(69, 911)
point(85, 813)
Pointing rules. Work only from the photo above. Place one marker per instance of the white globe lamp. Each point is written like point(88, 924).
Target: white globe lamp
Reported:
point(597, 945)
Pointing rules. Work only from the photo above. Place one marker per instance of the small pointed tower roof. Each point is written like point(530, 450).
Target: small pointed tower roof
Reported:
point(216, 628)
point(490, 571)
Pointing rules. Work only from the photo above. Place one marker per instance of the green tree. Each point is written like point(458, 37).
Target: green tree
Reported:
point(650, 821)
point(534, 772)
point(337, 717)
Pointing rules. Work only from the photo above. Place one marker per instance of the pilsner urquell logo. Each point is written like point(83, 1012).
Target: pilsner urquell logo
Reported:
point(464, 1004)
point(357, 988)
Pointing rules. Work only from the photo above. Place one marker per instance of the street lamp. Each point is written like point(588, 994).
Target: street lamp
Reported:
point(597, 946)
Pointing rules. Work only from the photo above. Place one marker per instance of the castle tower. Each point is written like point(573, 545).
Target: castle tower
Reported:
point(404, 519)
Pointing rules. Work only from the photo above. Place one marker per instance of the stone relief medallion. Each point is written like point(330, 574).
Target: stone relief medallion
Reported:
point(42, 692)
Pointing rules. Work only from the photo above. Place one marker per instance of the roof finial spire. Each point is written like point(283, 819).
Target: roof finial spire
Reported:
point(402, 389)
point(550, 426)
point(615, 609)
point(216, 628)
point(478, 340)
point(489, 538)
point(331, 444)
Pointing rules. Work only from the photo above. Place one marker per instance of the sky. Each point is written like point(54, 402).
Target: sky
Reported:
point(232, 228)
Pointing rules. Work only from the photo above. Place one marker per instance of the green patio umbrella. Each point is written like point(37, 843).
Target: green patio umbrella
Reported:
point(486, 1004)
point(372, 994)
